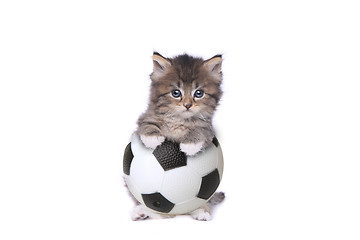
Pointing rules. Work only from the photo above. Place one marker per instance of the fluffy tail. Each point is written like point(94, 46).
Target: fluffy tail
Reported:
point(217, 198)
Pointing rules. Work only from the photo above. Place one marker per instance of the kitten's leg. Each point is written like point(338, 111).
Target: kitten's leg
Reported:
point(202, 213)
point(150, 133)
point(140, 212)
point(152, 141)
point(191, 149)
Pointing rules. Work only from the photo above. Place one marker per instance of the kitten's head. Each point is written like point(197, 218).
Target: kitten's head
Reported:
point(185, 86)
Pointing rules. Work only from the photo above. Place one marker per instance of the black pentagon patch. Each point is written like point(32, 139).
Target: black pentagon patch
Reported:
point(169, 155)
point(209, 184)
point(157, 202)
point(215, 142)
point(128, 157)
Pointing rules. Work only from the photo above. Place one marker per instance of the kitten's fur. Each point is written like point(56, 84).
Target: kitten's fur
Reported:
point(184, 116)
point(186, 119)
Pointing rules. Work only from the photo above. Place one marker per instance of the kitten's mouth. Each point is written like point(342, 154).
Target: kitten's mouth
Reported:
point(187, 113)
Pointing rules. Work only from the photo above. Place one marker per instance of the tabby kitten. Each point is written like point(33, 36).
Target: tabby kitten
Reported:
point(185, 92)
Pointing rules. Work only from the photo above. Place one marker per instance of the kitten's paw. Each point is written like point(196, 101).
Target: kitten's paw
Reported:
point(191, 149)
point(139, 213)
point(152, 141)
point(201, 214)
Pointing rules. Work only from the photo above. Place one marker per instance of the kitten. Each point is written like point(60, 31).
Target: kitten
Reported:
point(184, 94)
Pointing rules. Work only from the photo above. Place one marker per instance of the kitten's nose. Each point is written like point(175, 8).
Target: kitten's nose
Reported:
point(187, 105)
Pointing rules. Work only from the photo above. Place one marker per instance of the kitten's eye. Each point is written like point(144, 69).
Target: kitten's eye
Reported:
point(176, 93)
point(199, 93)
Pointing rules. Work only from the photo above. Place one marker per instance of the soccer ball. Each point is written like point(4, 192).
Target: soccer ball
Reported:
point(169, 182)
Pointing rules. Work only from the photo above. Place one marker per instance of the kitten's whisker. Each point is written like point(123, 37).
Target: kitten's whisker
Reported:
point(201, 117)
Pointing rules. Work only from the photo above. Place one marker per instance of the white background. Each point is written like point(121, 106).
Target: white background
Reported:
point(74, 79)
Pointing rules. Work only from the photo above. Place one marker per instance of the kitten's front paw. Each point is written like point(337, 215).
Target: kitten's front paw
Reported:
point(152, 141)
point(191, 149)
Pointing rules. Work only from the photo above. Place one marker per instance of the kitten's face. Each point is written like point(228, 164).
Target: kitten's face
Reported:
point(186, 87)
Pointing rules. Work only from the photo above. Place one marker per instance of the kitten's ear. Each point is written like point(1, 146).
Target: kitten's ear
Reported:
point(213, 65)
point(161, 64)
